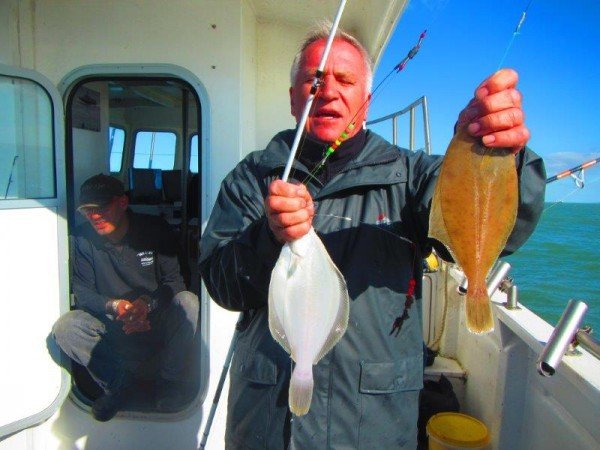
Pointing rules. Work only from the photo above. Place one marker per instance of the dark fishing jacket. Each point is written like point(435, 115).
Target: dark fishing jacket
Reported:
point(373, 219)
point(144, 263)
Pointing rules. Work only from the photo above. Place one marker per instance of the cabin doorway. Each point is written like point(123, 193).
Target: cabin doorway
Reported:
point(145, 131)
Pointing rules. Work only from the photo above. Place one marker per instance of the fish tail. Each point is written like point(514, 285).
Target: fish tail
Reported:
point(301, 388)
point(479, 311)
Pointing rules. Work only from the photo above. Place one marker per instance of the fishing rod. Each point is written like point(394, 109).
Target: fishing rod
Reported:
point(576, 172)
point(573, 172)
point(344, 135)
point(316, 83)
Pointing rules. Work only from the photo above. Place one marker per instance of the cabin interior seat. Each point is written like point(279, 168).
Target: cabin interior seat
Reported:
point(156, 192)
point(171, 185)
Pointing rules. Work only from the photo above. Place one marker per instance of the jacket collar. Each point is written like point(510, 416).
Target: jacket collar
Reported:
point(378, 164)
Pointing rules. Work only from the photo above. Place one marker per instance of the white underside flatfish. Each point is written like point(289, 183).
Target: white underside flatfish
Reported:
point(308, 310)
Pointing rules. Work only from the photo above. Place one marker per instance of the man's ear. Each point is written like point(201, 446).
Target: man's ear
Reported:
point(292, 105)
point(368, 103)
point(123, 202)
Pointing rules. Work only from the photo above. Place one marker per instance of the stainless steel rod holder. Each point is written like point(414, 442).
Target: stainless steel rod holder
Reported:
point(512, 298)
point(588, 342)
point(462, 287)
point(497, 274)
point(561, 337)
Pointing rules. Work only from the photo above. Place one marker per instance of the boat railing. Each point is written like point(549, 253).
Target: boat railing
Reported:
point(411, 110)
point(567, 333)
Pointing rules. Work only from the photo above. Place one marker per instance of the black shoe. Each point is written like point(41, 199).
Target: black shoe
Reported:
point(106, 406)
point(109, 403)
point(170, 396)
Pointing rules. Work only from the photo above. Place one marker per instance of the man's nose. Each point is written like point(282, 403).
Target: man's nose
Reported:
point(329, 88)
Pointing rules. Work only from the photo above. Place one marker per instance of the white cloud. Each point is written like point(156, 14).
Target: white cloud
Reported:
point(560, 161)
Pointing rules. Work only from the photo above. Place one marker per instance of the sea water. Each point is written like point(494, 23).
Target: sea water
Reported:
point(561, 261)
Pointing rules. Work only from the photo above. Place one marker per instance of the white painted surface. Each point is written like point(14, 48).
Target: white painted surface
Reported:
point(30, 298)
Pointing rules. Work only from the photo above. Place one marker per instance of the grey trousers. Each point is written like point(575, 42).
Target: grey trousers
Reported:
point(100, 345)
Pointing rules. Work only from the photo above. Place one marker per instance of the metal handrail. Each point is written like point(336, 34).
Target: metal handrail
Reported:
point(411, 110)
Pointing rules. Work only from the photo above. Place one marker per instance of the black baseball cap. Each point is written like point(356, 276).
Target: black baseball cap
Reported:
point(99, 190)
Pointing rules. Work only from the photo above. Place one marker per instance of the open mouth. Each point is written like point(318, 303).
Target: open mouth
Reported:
point(326, 114)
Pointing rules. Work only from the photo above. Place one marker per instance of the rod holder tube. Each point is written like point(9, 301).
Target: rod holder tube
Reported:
point(512, 298)
point(588, 342)
point(561, 337)
point(497, 274)
point(462, 287)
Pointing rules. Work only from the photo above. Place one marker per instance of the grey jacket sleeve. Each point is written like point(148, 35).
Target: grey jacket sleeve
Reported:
point(532, 189)
point(237, 249)
point(84, 279)
point(532, 186)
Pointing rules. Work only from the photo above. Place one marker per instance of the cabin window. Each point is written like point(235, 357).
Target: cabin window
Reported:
point(116, 145)
point(154, 150)
point(194, 154)
point(26, 140)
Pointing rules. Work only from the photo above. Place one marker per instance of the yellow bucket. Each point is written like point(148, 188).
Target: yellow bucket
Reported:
point(453, 431)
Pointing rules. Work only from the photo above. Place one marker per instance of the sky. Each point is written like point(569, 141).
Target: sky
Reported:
point(557, 56)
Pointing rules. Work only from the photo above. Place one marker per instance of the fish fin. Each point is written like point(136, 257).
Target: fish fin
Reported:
point(479, 312)
point(276, 327)
point(437, 226)
point(277, 286)
point(341, 321)
point(277, 330)
point(301, 388)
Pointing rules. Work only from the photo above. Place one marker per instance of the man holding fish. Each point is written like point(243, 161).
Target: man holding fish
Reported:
point(369, 204)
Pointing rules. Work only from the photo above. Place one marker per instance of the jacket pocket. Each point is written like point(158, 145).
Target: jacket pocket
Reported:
point(252, 403)
point(258, 368)
point(390, 377)
point(389, 403)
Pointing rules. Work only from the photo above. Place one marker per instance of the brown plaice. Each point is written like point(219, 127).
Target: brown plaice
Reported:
point(473, 212)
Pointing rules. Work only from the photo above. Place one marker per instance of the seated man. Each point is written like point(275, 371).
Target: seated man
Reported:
point(131, 299)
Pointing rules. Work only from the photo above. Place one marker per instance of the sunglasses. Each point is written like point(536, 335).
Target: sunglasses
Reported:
point(100, 210)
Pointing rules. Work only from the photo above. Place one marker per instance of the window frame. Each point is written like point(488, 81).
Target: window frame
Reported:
point(36, 79)
point(161, 72)
point(58, 206)
point(118, 127)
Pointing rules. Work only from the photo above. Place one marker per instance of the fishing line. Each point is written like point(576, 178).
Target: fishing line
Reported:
point(515, 34)
point(374, 93)
point(435, 345)
point(577, 189)
point(333, 216)
point(348, 130)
